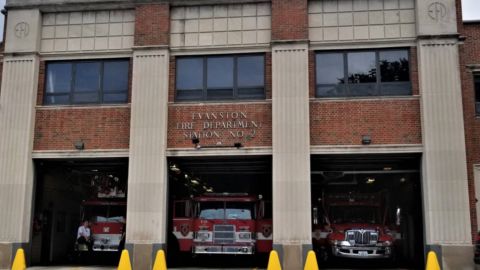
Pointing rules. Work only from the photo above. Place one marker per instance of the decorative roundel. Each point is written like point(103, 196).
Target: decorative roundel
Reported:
point(267, 230)
point(184, 229)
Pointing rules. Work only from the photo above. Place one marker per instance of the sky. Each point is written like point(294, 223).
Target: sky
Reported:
point(471, 11)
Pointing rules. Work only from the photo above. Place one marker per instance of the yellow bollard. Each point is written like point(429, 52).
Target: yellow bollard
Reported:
point(124, 263)
point(160, 262)
point(19, 260)
point(432, 261)
point(311, 263)
point(274, 261)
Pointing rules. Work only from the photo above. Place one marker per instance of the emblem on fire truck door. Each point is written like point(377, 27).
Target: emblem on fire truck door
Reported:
point(106, 229)
point(184, 229)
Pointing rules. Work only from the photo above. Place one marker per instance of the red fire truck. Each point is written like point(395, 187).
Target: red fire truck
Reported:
point(353, 225)
point(106, 210)
point(223, 224)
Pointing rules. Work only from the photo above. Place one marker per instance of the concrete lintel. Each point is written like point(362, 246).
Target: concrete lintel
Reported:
point(191, 152)
point(80, 154)
point(371, 149)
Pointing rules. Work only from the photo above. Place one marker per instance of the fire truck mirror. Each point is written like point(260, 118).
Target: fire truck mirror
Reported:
point(398, 217)
point(315, 216)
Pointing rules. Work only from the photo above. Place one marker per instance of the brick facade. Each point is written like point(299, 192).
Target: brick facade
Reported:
point(344, 122)
point(470, 55)
point(289, 20)
point(254, 130)
point(98, 128)
point(152, 24)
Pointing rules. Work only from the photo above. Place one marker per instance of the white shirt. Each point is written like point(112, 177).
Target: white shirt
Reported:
point(83, 231)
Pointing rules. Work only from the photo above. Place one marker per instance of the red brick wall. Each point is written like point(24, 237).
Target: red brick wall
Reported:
point(152, 24)
point(470, 55)
point(99, 128)
point(57, 128)
point(261, 113)
point(344, 122)
point(289, 19)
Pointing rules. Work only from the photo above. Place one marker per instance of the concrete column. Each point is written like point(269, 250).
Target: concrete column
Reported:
point(445, 187)
point(17, 115)
point(147, 176)
point(291, 153)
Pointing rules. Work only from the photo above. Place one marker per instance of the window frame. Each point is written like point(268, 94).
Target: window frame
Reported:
point(476, 92)
point(379, 92)
point(204, 97)
point(100, 92)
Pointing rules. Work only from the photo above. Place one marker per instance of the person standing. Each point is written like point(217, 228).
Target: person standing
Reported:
point(84, 236)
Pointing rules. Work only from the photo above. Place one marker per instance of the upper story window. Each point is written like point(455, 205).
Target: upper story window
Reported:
point(86, 82)
point(363, 73)
point(222, 77)
point(477, 94)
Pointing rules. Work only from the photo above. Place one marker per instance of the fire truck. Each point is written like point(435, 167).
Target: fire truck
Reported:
point(223, 223)
point(106, 210)
point(353, 225)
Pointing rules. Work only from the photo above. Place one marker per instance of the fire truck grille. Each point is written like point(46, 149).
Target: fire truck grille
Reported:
point(361, 237)
point(224, 234)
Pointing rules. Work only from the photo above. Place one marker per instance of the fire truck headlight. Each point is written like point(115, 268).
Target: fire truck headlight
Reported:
point(244, 236)
point(203, 236)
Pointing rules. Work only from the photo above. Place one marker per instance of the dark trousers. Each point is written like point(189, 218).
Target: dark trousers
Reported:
point(83, 241)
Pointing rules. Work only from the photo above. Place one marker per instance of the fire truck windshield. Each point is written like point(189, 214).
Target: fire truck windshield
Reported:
point(228, 210)
point(354, 214)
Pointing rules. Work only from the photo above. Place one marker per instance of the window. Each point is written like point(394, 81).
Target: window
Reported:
point(477, 94)
point(355, 73)
point(220, 77)
point(86, 82)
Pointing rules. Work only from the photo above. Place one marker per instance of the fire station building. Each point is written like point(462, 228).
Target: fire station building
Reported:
point(289, 99)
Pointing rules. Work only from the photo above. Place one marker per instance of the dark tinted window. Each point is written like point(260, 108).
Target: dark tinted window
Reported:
point(189, 73)
point(361, 67)
point(350, 74)
point(220, 77)
point(83, 82)
point(394, 66)
point(59, 78)
point(477, 93)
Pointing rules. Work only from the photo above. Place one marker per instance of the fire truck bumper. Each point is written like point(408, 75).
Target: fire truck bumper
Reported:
point(362, 252)
point(237, 250)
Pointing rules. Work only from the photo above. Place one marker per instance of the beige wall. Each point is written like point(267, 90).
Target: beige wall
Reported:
point(87, 31)
point(353, 20)
point(220, 25)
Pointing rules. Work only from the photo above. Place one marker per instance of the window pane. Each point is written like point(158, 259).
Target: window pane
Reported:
point(394, 66)
point(87, 77)
point(85, 98)
point(189, 94)
point(220, 72)
point(477, 94)
point(331, 90)
point(115, 98)
point(115, 76)
point(219, 94)
point(250, 71)
point(361, 67)
point(189, 73)
point(57, 99)
point(396, 89)
point(59, 77)
point(364, 89)
point(330, 68)
point(251, 93)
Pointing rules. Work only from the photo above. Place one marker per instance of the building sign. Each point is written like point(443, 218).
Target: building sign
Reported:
point(219, 125)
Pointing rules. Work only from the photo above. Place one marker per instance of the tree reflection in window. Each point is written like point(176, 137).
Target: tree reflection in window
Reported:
point(363, 73)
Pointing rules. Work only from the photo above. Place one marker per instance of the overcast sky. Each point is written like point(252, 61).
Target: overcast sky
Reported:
point(471, 11)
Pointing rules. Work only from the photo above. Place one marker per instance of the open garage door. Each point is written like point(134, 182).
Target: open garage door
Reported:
point(220, 211)
point(69, 192)
point(367, 211)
